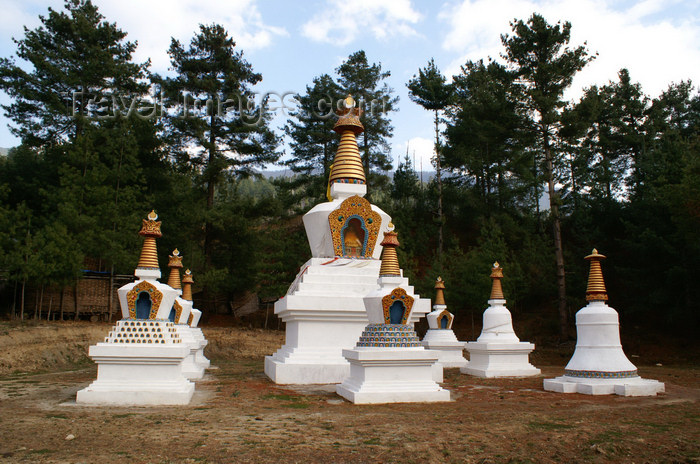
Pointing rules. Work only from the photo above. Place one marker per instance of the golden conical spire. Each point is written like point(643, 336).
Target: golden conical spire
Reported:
point(390, 262)
point(596, 285)
point(175, 264)
point(496, 289)
point(347, 164)
point(439, 294)
point(187, 282)
point(150, 230)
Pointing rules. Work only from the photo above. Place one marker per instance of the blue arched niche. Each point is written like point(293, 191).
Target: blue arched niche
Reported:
point(396, 312)
point(143, 306)
point(354, 228)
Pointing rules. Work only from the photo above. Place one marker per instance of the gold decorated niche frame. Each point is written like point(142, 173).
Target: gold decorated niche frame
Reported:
point(397, 294)
point(155, 295)
point(360, 208)
point(178, 311)
point(445, 314)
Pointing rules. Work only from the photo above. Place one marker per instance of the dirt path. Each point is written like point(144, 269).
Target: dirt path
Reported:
point(239, 416)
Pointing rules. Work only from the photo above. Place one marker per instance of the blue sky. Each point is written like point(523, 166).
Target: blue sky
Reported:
point(292, 42)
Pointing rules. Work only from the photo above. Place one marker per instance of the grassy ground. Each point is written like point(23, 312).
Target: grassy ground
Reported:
point(238, 415)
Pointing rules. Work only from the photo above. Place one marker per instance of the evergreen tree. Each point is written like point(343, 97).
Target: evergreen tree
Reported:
point(79, 64)
point(544, 65)
point(218, 128)
point(430, 90)
point(366, 83)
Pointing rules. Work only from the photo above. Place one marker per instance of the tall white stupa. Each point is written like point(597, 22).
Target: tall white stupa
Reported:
point(498, 352)
point(389, 364)
point(599, 366)
point(440, 336)
point(139, 362)
point(323, 309)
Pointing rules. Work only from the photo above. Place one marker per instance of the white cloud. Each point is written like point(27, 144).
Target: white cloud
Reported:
point(657, 47)
point(154, 22)
point(343, 21)
point(420, 150)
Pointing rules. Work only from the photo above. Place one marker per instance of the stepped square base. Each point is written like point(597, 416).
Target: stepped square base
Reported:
point(488, 359)
point(391, 375)
point(138, 375)
point(634, 386)
point(199, 358)
point(300, 373)
point(450, 350)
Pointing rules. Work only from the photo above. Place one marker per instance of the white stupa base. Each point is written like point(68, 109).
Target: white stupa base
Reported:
point(489, 359)
point(325, 313)
point(138, 375)
point(391, 375)
point(632, 386)
point(191, 369)
point(199, 358)
point(450, 350)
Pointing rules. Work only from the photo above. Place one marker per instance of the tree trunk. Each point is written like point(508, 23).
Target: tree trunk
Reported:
point(48, 314)
point(110, 306)
point(36, 304)
point(21, 304)
point(75, 300)
point(60, 302)
point(556, 226)
point(438, 175)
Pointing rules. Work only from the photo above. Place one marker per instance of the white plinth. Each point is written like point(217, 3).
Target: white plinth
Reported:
point(200, 359)
point(450, 350)
point(634, 386)
point(325, 313)
point(493, 359)
point(391, 375)
point(191, 369)
point(142, 375)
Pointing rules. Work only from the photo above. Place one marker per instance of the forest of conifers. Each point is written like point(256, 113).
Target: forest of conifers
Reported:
point(523, 175)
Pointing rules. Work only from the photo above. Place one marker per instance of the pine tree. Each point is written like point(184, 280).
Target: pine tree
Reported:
point(539, 55)
point(430, 90)
point(79, 63)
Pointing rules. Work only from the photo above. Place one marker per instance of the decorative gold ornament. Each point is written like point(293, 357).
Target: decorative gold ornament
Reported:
point(496, 289)
point(596, 285)
point(175, 264)
point(445, 314)
point(189, 319)
point(439, 294)
point(354, 228)
point(155, 295)
point(347, 165)
point(390, 261)
point(150, 229)
point(187, 282)
point(178, 311)
point(397, 294)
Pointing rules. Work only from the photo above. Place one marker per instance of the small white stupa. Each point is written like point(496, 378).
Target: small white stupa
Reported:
point(139, 363)
point(179, 314)
point(440, 336)
point(498, 352)
point(389, 364)
point(193, 320)
point(323, 309)
point(599, 366)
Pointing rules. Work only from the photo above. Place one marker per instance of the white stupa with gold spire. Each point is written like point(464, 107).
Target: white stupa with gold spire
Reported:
point(323, 309)
point(440, 336)
point(179, 314)
point(498, 352)
point(139, 362)
point(193, 320)
point(599, 365)
point(388, 363)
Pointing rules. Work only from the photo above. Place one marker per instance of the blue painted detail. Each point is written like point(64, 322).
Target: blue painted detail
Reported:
point(443, 322)
point(171, 316)
point(396, 312)
point(143, 306)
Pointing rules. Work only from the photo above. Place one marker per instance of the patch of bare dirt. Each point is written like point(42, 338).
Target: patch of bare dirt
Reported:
point(238, 415)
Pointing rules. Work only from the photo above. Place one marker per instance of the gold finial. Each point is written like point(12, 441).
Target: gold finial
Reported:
point(496, 288)
point(175, 264)
point(596, 285)
point(187, 282)
point(150, 229)
point(390, 262)
point(439, 294)
point(347, 164)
